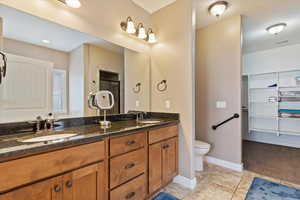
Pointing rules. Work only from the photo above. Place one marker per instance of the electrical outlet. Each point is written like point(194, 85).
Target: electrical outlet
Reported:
point(137, 103)
point(168, 104)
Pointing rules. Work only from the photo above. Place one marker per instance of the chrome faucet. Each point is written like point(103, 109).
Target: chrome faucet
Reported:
point(140, 116)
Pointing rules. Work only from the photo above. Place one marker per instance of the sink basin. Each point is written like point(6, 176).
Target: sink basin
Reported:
point(149, 122)
point(49, 138)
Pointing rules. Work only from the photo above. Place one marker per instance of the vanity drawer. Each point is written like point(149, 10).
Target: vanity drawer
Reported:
point(160, 134)
point(127, 166)
point(133, 190)
point(127, 143)
point(33, 168)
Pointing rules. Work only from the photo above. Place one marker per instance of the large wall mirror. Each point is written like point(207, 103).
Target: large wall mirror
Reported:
point(53, 69)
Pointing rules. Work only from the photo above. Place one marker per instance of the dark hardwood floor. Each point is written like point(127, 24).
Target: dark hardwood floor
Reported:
point(272, 160)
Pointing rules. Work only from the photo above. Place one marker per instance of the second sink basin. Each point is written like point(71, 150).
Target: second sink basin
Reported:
point(49, 138)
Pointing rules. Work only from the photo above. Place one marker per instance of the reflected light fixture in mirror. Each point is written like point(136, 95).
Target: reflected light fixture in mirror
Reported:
point(141, 32)
point(46, 41)
point(151, 36)
point(72, 3)
point(130, 27)
point(276, 28)
point(218, 8)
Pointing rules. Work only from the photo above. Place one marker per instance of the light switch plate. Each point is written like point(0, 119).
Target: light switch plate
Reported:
point(221, 104)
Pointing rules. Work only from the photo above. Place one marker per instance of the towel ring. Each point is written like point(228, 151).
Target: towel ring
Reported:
point(137, 88)
point(3, 68)
point(162, 86)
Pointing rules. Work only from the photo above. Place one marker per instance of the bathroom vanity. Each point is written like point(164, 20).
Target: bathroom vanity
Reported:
point(127, 161)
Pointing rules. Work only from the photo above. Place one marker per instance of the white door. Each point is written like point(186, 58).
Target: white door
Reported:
point(26, 90)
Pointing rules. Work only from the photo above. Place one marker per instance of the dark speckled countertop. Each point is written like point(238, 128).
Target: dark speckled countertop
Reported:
point(12, 147)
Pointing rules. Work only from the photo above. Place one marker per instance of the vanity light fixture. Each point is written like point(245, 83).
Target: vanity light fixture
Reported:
point(141, 32)
point(276, 28)
point(218, 8)
point(128, 26)
point(151, 36)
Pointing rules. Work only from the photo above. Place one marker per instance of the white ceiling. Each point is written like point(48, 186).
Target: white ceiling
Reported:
point(27, 28)
point(152, 6)
point(257, 15)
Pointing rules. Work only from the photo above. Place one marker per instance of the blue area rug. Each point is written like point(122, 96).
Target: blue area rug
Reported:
point(165, 196)
point(262, 189)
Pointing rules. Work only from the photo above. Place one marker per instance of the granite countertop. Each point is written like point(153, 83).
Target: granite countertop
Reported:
point(12, 147)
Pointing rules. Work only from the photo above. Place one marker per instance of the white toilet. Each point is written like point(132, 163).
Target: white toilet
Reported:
point(200, 150)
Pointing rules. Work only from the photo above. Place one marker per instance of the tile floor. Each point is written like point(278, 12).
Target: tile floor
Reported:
point(217, 183)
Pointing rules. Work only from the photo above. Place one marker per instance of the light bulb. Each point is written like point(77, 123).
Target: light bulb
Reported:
point(46, 41)
point(151, 37)
point(217, 9)
point(130, 28)
point(276, 28)
point(142, 32)
point(73, 3)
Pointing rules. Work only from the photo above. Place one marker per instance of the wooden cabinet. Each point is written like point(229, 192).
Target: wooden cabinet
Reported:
point(87, 183)
point(163, 159)
point(50, 189)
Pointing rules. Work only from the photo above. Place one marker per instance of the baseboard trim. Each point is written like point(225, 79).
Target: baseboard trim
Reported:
point(186, 182)
point(224, 163)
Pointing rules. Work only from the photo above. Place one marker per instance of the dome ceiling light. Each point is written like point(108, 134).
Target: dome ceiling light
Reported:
point(218, 8)
point(276, 28)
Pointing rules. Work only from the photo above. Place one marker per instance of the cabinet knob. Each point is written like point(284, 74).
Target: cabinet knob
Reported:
point(166, 146)
point(129, 166)
point(57, 188)
point(69, 184)
point(130, 142)
point(130, 195)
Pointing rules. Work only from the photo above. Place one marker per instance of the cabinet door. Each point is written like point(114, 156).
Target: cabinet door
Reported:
point(169, 157)
point(50, 189)
point(155, 167)
point(88, 183)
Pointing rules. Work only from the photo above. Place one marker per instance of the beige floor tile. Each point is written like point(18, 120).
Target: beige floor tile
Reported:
point(177, 190)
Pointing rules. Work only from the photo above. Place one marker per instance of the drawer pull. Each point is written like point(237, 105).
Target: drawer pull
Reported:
point(130, 142)
point(69, 184)
point(129, 166)
point(57, 188)
point(130, 195)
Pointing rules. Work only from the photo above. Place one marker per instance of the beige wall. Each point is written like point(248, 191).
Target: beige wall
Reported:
point(99, 18)
point(137, 70)
point(103, 59)
point(76, 81)
point(1, 34)
point(218, 78)
point(172, 59)
point(60, 59)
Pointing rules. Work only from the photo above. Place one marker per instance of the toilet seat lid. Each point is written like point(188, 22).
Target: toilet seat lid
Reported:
point(200, 144)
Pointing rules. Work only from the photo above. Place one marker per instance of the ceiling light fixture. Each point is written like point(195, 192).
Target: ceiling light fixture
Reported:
point(218, 8)
point(276, 28)
point(151, 36)
point(46, 41)
point(141, 31)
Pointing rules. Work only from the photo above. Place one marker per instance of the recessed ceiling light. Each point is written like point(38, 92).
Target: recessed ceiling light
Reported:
point(46, 41)
point(276, 28)
point(218, 8)
point(73, 3)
